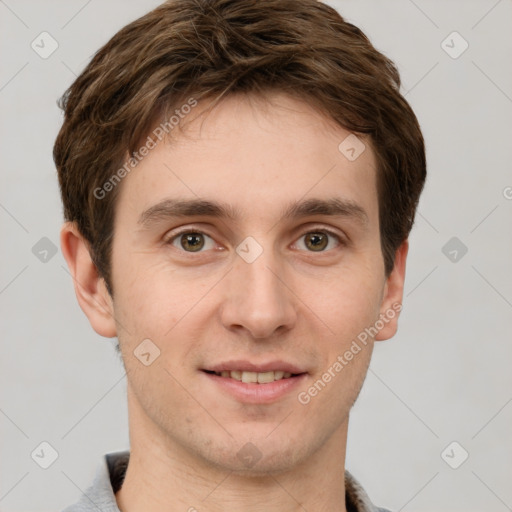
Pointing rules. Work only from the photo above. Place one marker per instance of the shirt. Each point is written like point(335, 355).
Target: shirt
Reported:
point(110, 475)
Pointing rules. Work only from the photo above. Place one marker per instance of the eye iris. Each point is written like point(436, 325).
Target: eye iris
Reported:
point(192, 241)
point(316, 241)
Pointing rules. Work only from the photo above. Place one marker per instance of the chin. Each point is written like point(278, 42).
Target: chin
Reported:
point(258, 458)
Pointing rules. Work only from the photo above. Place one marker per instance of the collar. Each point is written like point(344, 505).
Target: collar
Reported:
point(110, 475)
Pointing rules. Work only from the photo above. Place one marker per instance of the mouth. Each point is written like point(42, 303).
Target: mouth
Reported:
point(254, 377)
point(255, 383)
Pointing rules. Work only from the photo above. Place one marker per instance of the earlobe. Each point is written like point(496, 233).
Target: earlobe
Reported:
point(90, 288)
point(393, 295)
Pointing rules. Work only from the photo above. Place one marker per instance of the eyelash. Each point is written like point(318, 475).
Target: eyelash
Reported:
point(341, 242)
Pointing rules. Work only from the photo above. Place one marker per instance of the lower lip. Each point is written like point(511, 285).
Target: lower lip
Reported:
point(254, 393)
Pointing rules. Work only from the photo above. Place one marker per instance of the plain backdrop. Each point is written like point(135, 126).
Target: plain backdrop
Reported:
point(444, 378)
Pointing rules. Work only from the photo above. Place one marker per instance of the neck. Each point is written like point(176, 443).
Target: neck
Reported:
point(163, 476)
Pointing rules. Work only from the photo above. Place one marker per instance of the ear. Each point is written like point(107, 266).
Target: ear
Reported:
point(393, 295)
point(90, 288)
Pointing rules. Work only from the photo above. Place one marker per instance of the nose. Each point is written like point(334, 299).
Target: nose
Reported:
point(258, 297)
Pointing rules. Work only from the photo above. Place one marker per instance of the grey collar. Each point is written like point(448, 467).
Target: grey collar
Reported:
point(110, 475)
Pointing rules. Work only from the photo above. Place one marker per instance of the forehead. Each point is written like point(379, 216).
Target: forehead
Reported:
point(258, 157)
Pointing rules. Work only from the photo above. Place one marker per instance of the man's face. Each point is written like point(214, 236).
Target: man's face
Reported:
point(258, 291)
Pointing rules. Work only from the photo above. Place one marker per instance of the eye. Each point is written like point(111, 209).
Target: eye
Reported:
point(320, 241)
point(191, 241)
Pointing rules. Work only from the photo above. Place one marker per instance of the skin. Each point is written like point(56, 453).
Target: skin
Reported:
point(293, 303)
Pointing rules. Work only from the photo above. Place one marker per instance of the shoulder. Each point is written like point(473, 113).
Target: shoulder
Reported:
point(357, 499)
point(101, 494)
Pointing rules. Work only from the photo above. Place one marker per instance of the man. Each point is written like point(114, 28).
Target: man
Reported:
point(239, 181)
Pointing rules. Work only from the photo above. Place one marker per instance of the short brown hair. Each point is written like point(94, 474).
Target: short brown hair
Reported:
point(213, 48)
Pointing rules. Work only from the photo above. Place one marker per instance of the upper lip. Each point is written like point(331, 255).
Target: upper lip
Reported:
point(247, 366)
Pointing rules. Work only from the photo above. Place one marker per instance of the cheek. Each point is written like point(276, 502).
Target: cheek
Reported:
point(348, 307)
point(156, 301)
point(350, 302)
point(143, 299)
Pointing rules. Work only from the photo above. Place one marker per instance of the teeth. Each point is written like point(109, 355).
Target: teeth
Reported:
point(235, 374)
point(253, 377)
point(265, 377)
point(249, 377)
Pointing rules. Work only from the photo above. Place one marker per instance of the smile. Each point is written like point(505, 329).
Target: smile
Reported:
point(254, 377)
point(256, 384)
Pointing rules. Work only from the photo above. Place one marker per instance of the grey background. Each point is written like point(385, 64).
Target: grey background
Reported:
point(444, 377)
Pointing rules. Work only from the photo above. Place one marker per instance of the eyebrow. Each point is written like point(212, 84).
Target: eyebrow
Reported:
point(171, 208)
